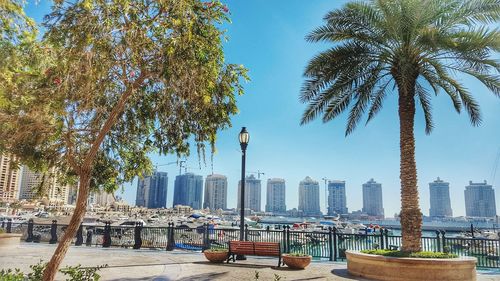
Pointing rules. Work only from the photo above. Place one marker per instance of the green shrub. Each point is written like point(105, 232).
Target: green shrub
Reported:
point(433, 255)
point(2, 230)
point(79, 273)
point(73, 273)
point(217, 250)
point(401, 254)
point(11, 275)
point(297, 254)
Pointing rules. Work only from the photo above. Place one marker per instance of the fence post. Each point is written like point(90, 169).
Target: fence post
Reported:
point(206, 239)
point(53, 232)
point(335, 250)
point(381, 245)
point(438, 241)
point(284, 239)
point(443, 237)
point(88, 241)
point(330, 241)
point(246, 232)
point(9, 226)
point(30, 231)
point(288, 239)
point(106, 241)
point(170, 237)
point(137, 235)
point(79, 236)
point(386, 232)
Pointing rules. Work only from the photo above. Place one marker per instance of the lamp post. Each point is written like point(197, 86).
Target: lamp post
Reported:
point(244, 138)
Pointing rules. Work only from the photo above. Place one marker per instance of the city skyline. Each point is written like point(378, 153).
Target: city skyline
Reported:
point(282, 148)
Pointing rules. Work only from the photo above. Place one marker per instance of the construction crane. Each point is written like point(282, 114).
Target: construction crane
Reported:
point(258, 173)
point(186, 167)
point(495, 167)
point(326, 180)
point(171, 163)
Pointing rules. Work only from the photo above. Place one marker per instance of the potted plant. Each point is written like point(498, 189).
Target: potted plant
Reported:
point(297, 260)
point(9, 239)
point(216, 255)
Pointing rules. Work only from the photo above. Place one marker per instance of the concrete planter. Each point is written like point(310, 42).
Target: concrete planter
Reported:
point(296, 262)
point(9, 240)
point(216, 256)
point(410, 269)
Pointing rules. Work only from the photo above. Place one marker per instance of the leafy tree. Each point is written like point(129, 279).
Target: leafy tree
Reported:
point(414, 46)
point(110, 82)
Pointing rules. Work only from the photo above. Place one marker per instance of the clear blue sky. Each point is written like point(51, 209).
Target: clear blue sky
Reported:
point(268, 38)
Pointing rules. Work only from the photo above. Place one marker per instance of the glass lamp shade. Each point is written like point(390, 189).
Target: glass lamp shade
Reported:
point(244, 136)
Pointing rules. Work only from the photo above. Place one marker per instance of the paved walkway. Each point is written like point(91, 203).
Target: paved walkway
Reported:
point(158, 265)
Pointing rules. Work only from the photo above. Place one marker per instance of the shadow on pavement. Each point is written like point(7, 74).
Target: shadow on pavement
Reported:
point(142, 279)
point(202, 277)
point(246, 265)
point(345, 274)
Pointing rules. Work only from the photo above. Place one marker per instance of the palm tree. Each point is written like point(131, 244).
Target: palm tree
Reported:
point(414, 46)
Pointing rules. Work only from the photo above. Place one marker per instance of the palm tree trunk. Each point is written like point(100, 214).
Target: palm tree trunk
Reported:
point(77, 218)
point(411, 216)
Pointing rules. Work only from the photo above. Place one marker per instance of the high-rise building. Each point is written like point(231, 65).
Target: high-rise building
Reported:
point(439, 191)
point(188, 190)
point(309, 197)
point(104, 199)
point(215, 192)
point(337, 203)
point(72, 194)
point(152, 191)
point(29, 181)
point(9, 179)
point(52, 190)
point(480, 200)
point(275, 199)
point(252, 193)
point(372, 199)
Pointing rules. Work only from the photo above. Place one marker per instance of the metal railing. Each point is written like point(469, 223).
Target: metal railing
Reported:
point(327, 244)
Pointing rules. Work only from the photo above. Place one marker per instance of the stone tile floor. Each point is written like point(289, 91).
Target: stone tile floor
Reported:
point(158, 265)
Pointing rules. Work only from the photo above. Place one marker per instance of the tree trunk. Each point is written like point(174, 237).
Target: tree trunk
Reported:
point(77, 218)
point(411, 216)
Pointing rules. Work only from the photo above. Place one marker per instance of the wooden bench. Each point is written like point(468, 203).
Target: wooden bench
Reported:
point(248, 248)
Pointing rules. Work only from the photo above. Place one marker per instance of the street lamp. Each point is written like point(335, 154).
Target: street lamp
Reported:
point(244, 138)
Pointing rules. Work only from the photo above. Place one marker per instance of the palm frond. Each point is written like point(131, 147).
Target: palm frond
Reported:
point(378, 98)
point(425, 102)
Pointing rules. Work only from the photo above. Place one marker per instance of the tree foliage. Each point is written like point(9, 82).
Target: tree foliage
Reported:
point(151, 73)
point(381, 42)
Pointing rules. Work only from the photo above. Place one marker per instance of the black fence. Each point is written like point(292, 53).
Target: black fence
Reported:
point(326, 244)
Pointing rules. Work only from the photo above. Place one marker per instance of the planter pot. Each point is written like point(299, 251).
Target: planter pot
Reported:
point(296, 262)
point(9, 240)
point(216, 257)
point(410, 269)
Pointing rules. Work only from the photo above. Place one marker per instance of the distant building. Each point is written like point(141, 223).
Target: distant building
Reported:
point(53, 192)
point(372, 199)
point(104, 199)
point(152, 191)
point(188, 190)
point(439, 191)
point(9, 179)
point(275, 196)
point(215, 192)
point(480, 200)
point(309, 197)
point(29, 181)
point(337, 202)
point(72, 194)
point(252, 193)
